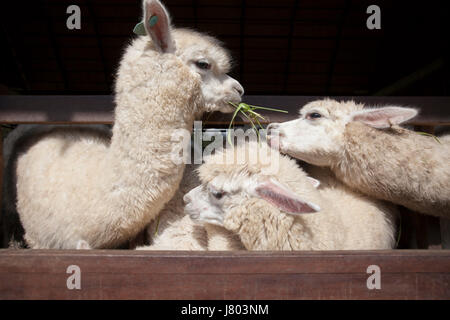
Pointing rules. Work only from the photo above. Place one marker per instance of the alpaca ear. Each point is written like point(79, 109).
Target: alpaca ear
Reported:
point(384, 117)
point(83, 245)
point(314, 182)
point(157, 25)
point(283, 198)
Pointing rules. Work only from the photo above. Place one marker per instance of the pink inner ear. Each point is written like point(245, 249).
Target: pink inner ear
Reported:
point(373, 119)
point(284, 199)
point(385, 117)
point(160, 32)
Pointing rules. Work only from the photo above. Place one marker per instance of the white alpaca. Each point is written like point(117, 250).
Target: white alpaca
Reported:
point(284, 209)
point(82, 190)
point(173, 229)
point(368, 151)
point(13, 145)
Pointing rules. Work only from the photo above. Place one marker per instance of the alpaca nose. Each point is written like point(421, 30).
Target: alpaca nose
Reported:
point(272, 128)
point(187, 198)
point(239, 89)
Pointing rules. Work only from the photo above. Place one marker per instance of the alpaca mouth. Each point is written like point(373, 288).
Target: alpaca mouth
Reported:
point(225, 106)
point(226, 109)
point(232, 99)
point(194, 216)
point(235, 98)
point(188, 210)
point(221, 106)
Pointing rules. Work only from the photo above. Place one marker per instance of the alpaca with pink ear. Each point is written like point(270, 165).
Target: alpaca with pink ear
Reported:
point(253, 205)
point(368, 150)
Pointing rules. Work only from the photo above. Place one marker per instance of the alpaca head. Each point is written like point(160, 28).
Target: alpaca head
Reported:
point(202, 54)
point(229, 183)
point(317, 136)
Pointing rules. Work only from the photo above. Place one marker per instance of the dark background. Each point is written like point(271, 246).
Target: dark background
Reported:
point(303, 47)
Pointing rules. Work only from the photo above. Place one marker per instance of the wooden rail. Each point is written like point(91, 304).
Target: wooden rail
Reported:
point(99, 109)
point(116, 274)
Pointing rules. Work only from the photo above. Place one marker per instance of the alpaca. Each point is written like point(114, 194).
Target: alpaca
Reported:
point(18, 139)
point(173, 230)
point(77, 190)
point(368, 151)
point(284, 209)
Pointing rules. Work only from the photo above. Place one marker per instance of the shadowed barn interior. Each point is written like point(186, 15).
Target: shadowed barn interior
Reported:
point(288, 47)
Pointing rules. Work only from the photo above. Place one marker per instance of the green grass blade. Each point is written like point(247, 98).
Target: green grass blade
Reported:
point(251, 122)
point(259, 123)
point(249, 119)
point(399, 234)
point(248, 111)
point(269, 109)
point(231, 123)
point(256, 114)
point(429, 135)
point(157, 226)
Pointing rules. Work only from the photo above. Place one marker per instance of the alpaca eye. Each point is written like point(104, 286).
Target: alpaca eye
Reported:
point(203, 65)
point(218, 195)
point(313, 115)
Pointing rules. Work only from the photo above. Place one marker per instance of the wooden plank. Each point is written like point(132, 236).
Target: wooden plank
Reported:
point(99, 109)
point(117, 274)
point(56, 109)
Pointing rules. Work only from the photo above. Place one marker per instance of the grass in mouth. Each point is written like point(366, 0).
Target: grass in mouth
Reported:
point(248, 111)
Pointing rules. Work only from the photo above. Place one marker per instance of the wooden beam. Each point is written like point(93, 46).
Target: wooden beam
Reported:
point(54, 44)
point(19, 67)
point(98, 38)
point(99, 109)
point(117, 274)
point(411, 78)
point(337, 45)
point(290, 41)
point(242, 39)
